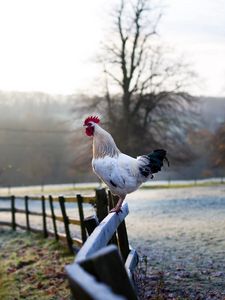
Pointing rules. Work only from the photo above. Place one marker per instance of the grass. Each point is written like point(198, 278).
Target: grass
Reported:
point(32, 267)
point(184, 185)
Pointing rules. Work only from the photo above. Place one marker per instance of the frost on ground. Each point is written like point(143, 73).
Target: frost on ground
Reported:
point(181, 235)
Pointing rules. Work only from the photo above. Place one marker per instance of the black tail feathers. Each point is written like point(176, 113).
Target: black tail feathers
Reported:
point(156, 159)
point(154, 162)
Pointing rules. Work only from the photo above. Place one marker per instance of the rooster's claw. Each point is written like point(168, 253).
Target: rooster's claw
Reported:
point(117, 210)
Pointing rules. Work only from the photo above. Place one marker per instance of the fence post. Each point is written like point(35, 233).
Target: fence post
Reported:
point(26, 198)
point(66, 223)
point(53, 217)
point(122, 235)
point(81, 213)
point(111, 205)
point(13, 212)
point(101, 204)
point(44, 216)
point(90, 224)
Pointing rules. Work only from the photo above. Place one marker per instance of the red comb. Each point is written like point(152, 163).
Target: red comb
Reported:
point(91, 119)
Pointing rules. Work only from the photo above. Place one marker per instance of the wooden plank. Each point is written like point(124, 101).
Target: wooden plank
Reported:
point(102, 234)
point(44, 217)
point(90, 200)
point(74, 221)
point(101, 204)
point(106, 264)
point(3, 223)
point(13, 210)
point(36, 230)
point(34, 198)
point(85, 287)
point(123, 242)
point(81, 215)
point(26, 199)
point(86, 199)
point(111, 205)
point(35, 213)
point(20, 210)
point(91, 223)
point(5, 209)
point(131, 263)
point(75, 241)
point(60, 219)
point(5, 198)
point(53, 216)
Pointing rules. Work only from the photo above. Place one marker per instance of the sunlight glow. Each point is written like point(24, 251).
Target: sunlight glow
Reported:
point(52, 45)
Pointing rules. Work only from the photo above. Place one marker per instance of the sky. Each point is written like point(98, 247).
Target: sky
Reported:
point(52, 45)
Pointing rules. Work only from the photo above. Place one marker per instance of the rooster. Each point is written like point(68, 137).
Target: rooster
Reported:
point(123, 174)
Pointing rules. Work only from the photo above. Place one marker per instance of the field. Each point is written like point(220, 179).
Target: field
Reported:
point(32, 268)
point(180, 236)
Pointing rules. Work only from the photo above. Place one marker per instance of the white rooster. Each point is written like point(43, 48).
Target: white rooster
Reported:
point(123, 174)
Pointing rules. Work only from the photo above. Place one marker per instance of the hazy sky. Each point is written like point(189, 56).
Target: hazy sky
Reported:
point(50, 45)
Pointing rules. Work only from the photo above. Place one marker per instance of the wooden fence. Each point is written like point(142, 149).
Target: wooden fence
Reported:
point(72, 242)
point(102, 271)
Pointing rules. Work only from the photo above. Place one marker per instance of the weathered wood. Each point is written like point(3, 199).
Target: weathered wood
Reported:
point(123, 240)
point(91, 223)
point(36, 230)
point(53, 217)
point(5, 209)
point(20, 211)
point(74, 221)
point(26, 199)
point(81, 215)
point(102, 234)
point(86, 199)
point(121, 233)
point(75, 241)
point(111, 205)
point(5, 198)
point(34, 213)
point(3, 223)
point(106, 264)
point(101, 204)
point(13, 210)
point(131, 263)
point(45, 233)
point(85, 287)
point(66, 224)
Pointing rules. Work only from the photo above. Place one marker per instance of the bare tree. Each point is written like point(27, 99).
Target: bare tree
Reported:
point(145, 100)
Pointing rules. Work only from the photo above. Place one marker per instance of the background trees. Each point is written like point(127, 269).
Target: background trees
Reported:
point(218, 148)
point(146, 104)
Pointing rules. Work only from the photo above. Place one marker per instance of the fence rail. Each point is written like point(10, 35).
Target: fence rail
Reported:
point(101, 271)
point(62, 200)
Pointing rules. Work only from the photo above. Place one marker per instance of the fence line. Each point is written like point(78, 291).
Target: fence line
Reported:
point(71, 242)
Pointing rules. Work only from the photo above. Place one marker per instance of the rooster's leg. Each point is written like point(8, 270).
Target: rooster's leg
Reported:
point(118, 206)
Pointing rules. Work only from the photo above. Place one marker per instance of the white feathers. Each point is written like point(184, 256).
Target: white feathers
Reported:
point(121, 173)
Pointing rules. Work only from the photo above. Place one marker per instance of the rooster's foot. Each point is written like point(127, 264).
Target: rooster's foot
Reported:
point(116, 210)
